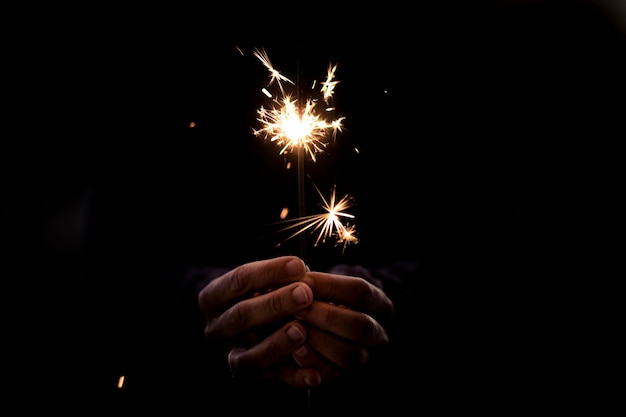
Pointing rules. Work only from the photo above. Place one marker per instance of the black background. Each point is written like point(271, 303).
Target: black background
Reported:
point(487, 136)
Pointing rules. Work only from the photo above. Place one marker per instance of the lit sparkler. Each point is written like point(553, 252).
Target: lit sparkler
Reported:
point(304, 129)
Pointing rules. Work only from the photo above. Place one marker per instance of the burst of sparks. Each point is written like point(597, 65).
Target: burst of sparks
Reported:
point(292, 125)
point(328, 224)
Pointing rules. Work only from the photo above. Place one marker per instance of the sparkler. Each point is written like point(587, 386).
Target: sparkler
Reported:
point(297, 125)
point(305, 129)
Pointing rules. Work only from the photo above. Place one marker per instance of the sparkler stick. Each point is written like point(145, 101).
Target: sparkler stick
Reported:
point(301, 202)
point(301, 207)
point(296, 125)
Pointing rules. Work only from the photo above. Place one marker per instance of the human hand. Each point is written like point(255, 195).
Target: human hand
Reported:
point(345, 323)
point(249, 313)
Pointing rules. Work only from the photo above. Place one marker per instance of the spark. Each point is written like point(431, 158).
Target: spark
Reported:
point(275, 75)
point(328, 86)
point(328, 225)
point(292, 124)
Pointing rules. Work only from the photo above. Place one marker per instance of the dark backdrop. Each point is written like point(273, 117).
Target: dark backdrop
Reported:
point(486, 152)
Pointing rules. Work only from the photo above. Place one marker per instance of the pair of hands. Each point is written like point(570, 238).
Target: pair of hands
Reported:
point(277, 319)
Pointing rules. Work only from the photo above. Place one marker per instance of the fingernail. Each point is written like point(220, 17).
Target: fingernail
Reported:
point(294, 267)
point(301, 353)
point(313, 380)
point(295, 334)
point(300, 296)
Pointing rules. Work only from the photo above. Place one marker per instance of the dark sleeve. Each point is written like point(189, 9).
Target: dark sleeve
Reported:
point(184, 370)
point(186, 321)
point(396, 273)
point(187, 285)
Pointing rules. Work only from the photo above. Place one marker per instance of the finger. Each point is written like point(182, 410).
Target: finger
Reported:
point(271, 350)
point(307, 357)
point(272, 357)
point(290, 373)
point(258, 311)
point(287, 371)
point(354, 326)
point(342, 354)
point(353, 292)
point(299, 377)
point(246, 279)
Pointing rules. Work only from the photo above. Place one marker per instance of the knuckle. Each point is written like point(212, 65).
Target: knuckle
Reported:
point(375, 300)
point(236, 281)
point(208, 331)
point(271, 353)
point(274, 304)
point(327, 317)
point(370, 330)
point(234, 360)
point(365, 293)
point(235, 318)
point(357, 359)
point(367, 327)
